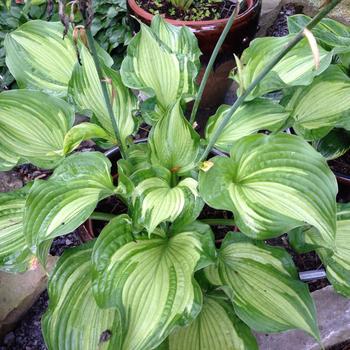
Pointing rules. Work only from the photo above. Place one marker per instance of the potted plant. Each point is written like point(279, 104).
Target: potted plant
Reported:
point(153, 278)
point(207, 20)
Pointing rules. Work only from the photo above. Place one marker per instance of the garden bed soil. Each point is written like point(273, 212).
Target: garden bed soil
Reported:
point(200, 10)
point(341, 165)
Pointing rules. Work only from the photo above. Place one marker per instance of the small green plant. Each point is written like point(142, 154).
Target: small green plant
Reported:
point(182, 4)
point(153, 278)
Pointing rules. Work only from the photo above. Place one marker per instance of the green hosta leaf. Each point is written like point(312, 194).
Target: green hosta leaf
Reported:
point(8, 159)
point(86, 91)
point(73, 319)
point(83, 132)
point(150, 280)
point(173, 142)
point(334, 144)
point(32, 127)
point(337, 260)
point(266, 292)
point(215, 328)
point(273, 184)
point(40, 59)
point(179, 39)
point(298, 239)
point(151, 66)
point(15, 255)
point(295, 68)
point(155, 200)
point(138, 159)
point(322, 104)
point(330, 33)
point(59, 205)
point(260, 114)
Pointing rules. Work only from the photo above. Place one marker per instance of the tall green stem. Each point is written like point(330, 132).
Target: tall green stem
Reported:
point(211, 63)
point(105, 93)
point(264, 72)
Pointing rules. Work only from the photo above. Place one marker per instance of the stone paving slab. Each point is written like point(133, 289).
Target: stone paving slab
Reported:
point(18, 292)
point(311, 7)
point(333, 311)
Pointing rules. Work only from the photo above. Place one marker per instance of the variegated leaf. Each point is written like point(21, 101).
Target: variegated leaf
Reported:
point(40, 59)
point(180, 39)
point(73, 319)
point(155, 199)
point(216, 328)
point(317, 108)
point(8, 159)
point(33, 131)
point(273, 184)
point(260, 114)
point(295, 68)
point(83, 132)
point(15, 255)
point(335, 144)
point(59, 205)
point(150, 280)
point(86, 91)
point(331, 33)
point(266, 292)
point(152, 67)
point(173, 142)
point(336, 260)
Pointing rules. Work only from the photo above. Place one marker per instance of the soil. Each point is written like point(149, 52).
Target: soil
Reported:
point(200, 10)
point(342, 346)
point(280, 27)
point(28, 336)
point(341, 165)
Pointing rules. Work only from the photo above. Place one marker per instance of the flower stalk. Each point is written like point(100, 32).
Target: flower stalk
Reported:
point(103, 81)
point(211, 62)
point(301, 34)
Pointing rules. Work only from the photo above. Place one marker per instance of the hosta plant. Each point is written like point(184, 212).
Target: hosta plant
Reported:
point(154, 278)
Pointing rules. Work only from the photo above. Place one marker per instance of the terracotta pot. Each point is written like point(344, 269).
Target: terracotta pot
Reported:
point(208, 33)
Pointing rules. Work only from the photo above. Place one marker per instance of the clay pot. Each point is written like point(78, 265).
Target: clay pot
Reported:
point(208, 33)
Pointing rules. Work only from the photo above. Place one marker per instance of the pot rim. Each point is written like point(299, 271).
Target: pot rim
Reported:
point(252, 4)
